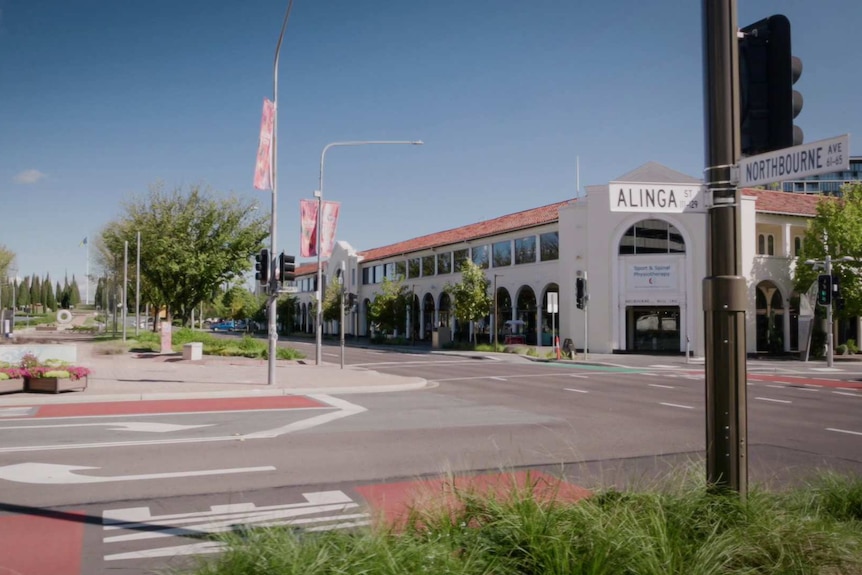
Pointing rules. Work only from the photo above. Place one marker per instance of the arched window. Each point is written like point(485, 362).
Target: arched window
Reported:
point(770, 245)
point(797, 246)
point(761, 244)
point(652, 237)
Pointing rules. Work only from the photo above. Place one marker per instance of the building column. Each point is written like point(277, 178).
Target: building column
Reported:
point(787, 241)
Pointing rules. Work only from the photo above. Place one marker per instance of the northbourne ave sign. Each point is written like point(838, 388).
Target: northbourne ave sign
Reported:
point(821, 157)
point(664, 198)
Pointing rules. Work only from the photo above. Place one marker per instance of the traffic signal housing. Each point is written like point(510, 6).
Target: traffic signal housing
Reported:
point(767, 72)
point(261, 266)
point(581, 292)
point(824, 289)
point(287, 267)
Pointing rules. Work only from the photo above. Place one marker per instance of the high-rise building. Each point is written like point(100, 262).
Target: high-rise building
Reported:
point(826, 183)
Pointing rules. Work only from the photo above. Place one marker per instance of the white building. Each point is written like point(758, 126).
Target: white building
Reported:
point(644, 270)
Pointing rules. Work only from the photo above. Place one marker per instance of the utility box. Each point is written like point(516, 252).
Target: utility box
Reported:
point(193, 351)
point(165, 333)
point(440, 337)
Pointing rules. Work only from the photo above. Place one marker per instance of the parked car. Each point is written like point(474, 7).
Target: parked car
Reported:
point(224, 326)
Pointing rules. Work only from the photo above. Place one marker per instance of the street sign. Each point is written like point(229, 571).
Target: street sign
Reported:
point(553, 302)
point(821, 157)
point(289, 289)
point(657, 198)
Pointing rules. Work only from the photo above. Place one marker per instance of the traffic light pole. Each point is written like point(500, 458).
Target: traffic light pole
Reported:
point(724, 293)
point(830, 344)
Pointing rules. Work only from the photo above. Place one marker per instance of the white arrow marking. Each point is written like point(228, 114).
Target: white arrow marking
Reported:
point(146, 426)
point(55, 474)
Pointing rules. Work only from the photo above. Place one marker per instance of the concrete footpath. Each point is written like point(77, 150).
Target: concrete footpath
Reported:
point(152, 376)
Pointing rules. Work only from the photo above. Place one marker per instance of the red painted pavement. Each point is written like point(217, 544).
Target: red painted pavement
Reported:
point(31, 545)
point(393, 501)
point(178, 406)
point(795, 380)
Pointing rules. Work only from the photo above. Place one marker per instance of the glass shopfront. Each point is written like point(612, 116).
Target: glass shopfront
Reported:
point(653, 329)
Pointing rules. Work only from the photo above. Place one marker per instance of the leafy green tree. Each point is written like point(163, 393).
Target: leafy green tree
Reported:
point(48, 289)
point(6, 258)
point(470, 298)
point(191, 243)
point(23, 299)
point(836, 231)
point(389, 308)
point(285, 310)
point(35, 291)
point(74, 292)
point(332, 302)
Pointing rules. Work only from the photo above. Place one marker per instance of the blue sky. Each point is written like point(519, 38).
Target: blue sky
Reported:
point(100, 99)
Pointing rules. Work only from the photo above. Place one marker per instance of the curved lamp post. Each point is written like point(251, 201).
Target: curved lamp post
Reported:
point(318, 321)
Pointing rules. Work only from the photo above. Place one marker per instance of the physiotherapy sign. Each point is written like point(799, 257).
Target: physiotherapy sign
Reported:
point(656, 198)
point(821, 157)
point(661, 276)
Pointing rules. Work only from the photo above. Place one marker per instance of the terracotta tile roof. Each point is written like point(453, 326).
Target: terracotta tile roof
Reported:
point(773, 202)
point(508, 223)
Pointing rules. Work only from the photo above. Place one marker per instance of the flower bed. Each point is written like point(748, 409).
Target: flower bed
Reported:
point(55, 380)
point(11, 379)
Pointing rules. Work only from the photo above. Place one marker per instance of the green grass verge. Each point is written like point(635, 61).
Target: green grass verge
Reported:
point(247, 346)
point(683, 530)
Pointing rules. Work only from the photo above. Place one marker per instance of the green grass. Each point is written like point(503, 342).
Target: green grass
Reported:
point(682, 529)
point(246, 346)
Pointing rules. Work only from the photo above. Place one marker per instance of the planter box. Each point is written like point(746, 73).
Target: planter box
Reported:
point(54, 384)
point(11, 385)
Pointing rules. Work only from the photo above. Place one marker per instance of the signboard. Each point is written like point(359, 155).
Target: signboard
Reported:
point(657, 198)
point(553, 302)
point(821, 157)
point(289, 289)
point(653, 276)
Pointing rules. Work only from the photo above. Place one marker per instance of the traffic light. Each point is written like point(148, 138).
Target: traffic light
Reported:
point(261, 266)
point(287, 267)
point(824, 289)
point(351, 300)
point(768, 102)
point(581, 292)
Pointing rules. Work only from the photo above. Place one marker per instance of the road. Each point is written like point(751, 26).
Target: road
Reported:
point(134, 485)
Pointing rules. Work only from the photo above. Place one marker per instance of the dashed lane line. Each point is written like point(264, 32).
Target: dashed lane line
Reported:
point(773, 400)
point(844, 431)
point(676, 405)
point(661, 386)
point(576, 390)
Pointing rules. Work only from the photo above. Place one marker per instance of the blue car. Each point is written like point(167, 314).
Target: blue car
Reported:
point(223, 326)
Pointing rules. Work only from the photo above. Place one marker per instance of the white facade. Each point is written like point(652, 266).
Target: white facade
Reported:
point(645, 292)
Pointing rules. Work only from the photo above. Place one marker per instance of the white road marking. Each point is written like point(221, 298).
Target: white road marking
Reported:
point(845, 393)
point(661, 366)
point(17, 411)
point(773, 400)
point(826, 369)
point(223, 518)
point(576, 390)
point(661, 386)
point(498, 378)
point(146, 426)
point(676, 405)
point(578, 376)
point(56, 474)
point(776, 386)
point(844, 431)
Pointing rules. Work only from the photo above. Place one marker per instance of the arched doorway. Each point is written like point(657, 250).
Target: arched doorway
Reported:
point(427, 316)
point(444, 315)
point(504, 313)
point(525, 311)
point(550, 322)
point(769, 304)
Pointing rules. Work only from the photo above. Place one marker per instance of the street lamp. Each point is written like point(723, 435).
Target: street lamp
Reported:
point(318, 321)
point(826, 263)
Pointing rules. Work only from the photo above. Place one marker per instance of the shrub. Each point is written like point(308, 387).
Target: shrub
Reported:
point(851, 346)
point(841, 349)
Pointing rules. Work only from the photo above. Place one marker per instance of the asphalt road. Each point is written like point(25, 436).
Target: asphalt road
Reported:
point(140, 480)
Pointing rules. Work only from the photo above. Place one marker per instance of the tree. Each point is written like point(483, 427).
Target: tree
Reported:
point(23, 300)
point(836, 230)
point(332, 301)
point(470, 299)
point(191, 243)
point(48, 288)
point(6, 258)
point(36, 292)
point(286, 310)
point(389, 307)
point(74, 292)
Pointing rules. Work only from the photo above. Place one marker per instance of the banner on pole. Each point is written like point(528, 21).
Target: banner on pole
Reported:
point(263, 166)
point(330, 223)
point(308, 228)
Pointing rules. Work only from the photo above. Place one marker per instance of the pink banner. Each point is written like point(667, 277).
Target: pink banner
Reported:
point(330, 223)
point(263, 166)
point(308, 228)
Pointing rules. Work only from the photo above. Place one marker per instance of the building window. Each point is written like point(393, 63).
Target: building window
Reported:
point(652, 237)
point(378, 273)
point(427, 266)
point(413, 267)
point(770, 245)
point(365, 276)
point(390, 270)
point(525, 250)
point(480, 256)
point(549, 246)
point(458, 259)
point(797, 246)
point(502, 252)
point(444, 263)
point(761, 244)
point(400, 269)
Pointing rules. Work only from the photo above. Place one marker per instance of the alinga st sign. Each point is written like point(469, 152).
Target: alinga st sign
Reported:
point(657, 198)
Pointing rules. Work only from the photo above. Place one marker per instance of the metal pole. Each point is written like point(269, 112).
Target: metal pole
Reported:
point(830, 344)
point(125, 284)
point(496, 321)
point(341, 308)
point(724, 290)
point(318, 320)
point(138, 288)
point(272, 330)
